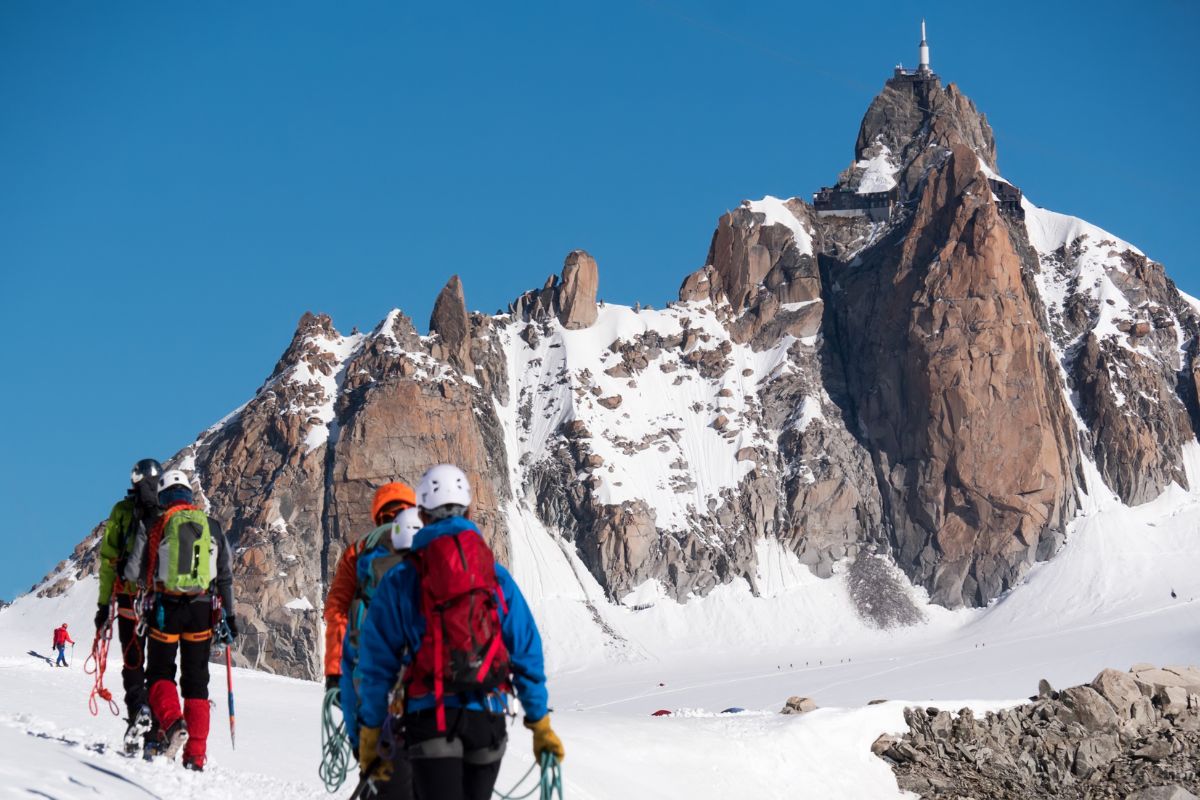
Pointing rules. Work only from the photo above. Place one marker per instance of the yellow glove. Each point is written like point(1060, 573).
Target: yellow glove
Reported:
point(545, 739)
point(369, 760)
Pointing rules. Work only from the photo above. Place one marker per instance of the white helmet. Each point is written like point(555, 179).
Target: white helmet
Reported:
point(405, 527)
point(444, 485)
point(173, 477)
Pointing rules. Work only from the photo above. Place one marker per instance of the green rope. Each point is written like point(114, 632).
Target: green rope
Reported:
point(335, 744)
point(549, 784)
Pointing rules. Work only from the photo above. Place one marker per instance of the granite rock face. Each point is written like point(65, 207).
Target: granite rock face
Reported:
point(956, 389)
point(576, 301)
point(291, 474)
point(569, 298)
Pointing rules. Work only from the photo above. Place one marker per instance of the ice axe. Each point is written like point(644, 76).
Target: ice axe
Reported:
point(229, 685)
point(225, 636)
point(366, 784)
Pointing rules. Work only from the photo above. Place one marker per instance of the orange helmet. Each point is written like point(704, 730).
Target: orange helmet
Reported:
point(390, 493)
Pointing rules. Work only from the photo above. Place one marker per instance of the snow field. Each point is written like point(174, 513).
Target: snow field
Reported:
point(1103, 601)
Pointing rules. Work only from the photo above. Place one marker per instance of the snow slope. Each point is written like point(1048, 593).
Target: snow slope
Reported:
point(658, 443)
point(1103, 601)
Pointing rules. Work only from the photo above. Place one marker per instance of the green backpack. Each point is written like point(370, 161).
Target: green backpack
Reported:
point(185, 555)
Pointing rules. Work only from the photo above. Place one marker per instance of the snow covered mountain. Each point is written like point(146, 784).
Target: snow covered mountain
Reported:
point(894, 393)
point(1123, 590)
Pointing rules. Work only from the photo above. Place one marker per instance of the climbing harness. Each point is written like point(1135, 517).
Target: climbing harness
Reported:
point(143, 605)
point(549, 785)
point(99, 661)
point(335, 744)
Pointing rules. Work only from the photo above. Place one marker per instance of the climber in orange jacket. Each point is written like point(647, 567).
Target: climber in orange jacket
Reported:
point(390, 500)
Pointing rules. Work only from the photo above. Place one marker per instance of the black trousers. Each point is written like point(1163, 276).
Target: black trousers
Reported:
point(133, 656)
point(183, 625)
point(461, 763)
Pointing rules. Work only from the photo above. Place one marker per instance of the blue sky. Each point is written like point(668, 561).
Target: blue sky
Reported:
point(179, 182)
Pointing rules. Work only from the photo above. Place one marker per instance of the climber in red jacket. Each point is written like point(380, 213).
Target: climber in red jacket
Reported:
point(61, 640)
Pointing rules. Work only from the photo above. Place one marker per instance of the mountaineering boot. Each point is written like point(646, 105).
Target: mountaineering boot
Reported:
point(164, 702)
point(174, 738)
point(139, 726)
point(196, 714)
point(151, 744)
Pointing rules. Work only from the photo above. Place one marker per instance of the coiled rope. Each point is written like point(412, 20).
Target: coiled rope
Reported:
point(335, 744)
point(99, 661)
point(549, 785)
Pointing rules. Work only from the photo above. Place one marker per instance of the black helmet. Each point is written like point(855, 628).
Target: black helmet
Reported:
point(146, 468)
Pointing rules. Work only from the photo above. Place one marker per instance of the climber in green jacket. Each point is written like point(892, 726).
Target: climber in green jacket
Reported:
point(134, 514)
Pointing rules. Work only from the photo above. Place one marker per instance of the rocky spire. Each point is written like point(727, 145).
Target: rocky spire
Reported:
point(576, 301)
point(918, 122)
point(571, 298)
point(450, 322)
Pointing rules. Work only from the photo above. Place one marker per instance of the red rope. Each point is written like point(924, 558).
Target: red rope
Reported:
point(99, 661)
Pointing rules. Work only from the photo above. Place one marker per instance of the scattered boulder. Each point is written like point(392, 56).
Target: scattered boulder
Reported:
point(746, 454)
point(1173, 792)
point(1103, 741)
point(1120, 690)
point(798, 705)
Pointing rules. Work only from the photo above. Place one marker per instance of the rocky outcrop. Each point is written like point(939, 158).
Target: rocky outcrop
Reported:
point(83, 561)
point(755, 257)
point(1138, 423)
point(915, 129)
point(576, 298)
point(290, 476)
point(450, 323)
point(957, 394)
point(1127, 344)
point(571, 298)
point(396, 429)
point(1127, 734)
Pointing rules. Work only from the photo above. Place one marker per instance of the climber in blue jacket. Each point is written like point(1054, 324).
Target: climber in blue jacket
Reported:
point(456, 740)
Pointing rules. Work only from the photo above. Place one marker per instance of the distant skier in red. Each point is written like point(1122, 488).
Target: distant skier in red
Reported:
point(61, 640)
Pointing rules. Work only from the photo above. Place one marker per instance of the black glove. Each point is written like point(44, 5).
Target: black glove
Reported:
point(101, 615)
point(231, 624)
point(333, 682)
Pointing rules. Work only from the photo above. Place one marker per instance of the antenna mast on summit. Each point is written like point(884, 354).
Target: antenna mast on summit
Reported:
point(923, 60)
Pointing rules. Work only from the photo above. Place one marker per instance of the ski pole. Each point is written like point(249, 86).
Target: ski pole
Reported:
point(229, 683)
